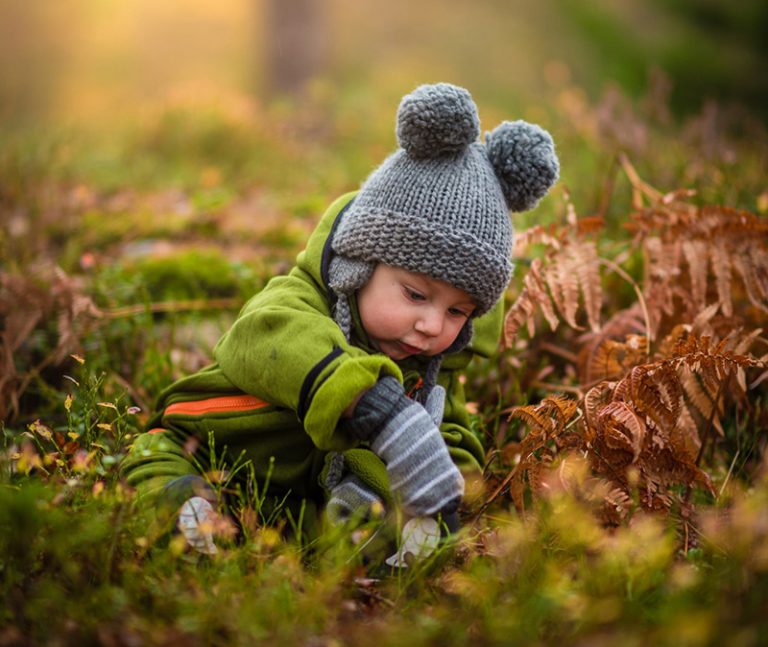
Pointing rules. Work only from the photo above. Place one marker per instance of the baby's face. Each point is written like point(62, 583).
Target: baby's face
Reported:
point(406, 313)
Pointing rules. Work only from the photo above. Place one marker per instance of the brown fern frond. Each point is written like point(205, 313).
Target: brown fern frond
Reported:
point(643, 392)
point(622, 325)
point(589, 225)
point(562, 407)
point(662, 275)
point(617, 504)
point(697, 255)
point(760, 265)
point(536, 235)
point(615, 438)
point(547, 435)
point(684, 440)
point(535, 417)
point(597, 396)
point(699, 398)
point(742, 343)
point(668, 384)
point(584, 260)
point(562, 280)
point(702, 322)
point(538, 291)
point(756, 293)
point(620, 417)
point(695, 252)
point(517, 490)
point(529, 471)
point(671, 341)
point(703, 368)
point(613, 359)
point(521, 312)
point(606, 362)
point(721, 265)
point(686, 425)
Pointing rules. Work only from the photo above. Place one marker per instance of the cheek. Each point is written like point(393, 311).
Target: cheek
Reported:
point(451, 330)
point(394, 322)
point(382, 323)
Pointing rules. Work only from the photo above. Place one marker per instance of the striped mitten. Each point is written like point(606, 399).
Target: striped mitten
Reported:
point(402, 433)
point(350, 498)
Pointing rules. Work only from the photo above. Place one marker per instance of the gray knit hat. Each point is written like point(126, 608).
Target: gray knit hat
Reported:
point(440, 204)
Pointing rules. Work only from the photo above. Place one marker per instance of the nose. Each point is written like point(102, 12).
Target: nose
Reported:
point(430, 322)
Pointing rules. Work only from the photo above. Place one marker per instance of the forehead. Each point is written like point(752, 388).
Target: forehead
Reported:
point(425, 282)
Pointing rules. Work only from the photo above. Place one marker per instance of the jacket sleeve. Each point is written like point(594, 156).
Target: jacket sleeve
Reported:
point(286, 348)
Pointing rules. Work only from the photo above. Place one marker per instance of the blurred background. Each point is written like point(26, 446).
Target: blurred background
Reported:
point(240, 119)
point(216, 132)
point(88, 59)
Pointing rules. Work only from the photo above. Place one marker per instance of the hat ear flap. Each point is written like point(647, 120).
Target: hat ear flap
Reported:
point(524, 160)
point(345, 277)
point(462, 339)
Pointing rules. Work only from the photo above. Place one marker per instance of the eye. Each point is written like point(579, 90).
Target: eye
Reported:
point(413, 295)
point(459, 312)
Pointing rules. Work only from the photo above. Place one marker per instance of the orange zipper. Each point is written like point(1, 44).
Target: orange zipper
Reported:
point(232, 403)
point(415, 387)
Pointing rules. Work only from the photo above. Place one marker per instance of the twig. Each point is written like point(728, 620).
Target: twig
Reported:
point(560, 352)
point(713, 413)
point(369, 592)
point(173, 306)
point(557, 387)
point(496, 493)
point(131, 391)
point(640, 298)
point(708, 429)
point(638, 184)
point(728, 476)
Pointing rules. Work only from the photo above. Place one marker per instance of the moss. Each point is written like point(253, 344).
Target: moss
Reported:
point(187, 274)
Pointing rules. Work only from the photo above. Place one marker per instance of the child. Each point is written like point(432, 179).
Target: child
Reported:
point(339, 382)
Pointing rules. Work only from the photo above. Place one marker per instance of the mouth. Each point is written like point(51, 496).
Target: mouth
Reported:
point(411, 350)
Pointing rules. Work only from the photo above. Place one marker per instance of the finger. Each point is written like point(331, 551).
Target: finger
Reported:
point(435, 404)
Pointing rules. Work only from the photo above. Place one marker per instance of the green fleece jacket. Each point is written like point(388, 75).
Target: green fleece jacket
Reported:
point(284, 373)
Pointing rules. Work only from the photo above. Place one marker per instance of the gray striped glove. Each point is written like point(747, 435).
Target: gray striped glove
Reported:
point(435, 404)
point(402, 433)
point(350, 498)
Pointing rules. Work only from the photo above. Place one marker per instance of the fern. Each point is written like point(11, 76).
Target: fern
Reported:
point(656, 377)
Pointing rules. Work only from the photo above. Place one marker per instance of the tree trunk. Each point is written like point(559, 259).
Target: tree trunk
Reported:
point(295, 43)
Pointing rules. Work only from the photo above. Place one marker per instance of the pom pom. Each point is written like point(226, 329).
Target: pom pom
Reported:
point(524, 159)
point(437, 120)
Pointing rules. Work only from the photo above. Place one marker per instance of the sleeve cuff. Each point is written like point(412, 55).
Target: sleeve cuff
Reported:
point(351, 376)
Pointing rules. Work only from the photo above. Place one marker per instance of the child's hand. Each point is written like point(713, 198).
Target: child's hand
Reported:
point(350, 498)
point(421, 472)
point(435, 404)
point(406, 438)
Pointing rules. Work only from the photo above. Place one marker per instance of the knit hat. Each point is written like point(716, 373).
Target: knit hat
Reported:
point(440, 204)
